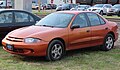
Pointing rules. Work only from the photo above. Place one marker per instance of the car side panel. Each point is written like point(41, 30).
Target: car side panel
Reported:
point(79, 38)
point(98, 34)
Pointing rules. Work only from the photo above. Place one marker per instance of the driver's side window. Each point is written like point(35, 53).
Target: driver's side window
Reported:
point(80, 20)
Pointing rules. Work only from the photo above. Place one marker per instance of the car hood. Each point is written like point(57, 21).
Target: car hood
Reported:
point(31, 31)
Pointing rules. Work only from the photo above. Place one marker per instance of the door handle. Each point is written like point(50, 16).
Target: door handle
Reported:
point(88, 31)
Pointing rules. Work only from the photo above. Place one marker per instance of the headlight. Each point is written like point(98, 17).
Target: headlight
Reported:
point(31, 40)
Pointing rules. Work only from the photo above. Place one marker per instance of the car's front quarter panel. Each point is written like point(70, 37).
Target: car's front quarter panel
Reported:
point(53, 34)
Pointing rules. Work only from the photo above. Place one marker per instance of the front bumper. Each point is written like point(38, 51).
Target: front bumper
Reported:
point(21, 48)
point(112, 12)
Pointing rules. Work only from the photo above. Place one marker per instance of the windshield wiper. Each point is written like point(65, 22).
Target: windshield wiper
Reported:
point(46, 25)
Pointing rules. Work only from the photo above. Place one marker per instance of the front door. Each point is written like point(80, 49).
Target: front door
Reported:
point(79, 37)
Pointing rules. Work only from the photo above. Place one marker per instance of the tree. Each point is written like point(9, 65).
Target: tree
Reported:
point(38, 5)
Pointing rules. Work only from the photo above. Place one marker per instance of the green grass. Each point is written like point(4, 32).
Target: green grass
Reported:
point(85, 59)
point(42, 12)
point(111, 16)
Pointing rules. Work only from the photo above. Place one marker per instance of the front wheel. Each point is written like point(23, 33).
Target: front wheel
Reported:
point(55, 50)
point(108, 43)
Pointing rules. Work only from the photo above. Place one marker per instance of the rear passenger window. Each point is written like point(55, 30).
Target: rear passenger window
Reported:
point(94, 19)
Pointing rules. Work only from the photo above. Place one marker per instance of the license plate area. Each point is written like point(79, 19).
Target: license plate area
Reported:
point(10, 47)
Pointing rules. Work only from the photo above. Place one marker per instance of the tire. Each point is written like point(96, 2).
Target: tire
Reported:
point(118, 14)
point(55, 50)
point(101, 13)
point(108, 43)
point(37, 8)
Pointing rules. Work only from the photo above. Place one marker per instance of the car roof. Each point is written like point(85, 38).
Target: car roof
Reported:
point(11, 10)
point(78, 12)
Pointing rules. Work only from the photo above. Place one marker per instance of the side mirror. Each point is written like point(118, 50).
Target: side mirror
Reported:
point(75, 26)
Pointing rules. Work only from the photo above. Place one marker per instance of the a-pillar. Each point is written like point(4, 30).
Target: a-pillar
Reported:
point(23, 5)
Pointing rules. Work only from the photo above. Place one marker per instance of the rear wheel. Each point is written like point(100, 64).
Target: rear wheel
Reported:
point(108, 43)
point(55, 50)
point(101, 13)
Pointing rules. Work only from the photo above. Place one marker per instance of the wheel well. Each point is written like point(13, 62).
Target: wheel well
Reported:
point(60, 40)
point(101, 11)
point(112, 34)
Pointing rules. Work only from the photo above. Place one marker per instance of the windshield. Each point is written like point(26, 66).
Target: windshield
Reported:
point(81, 6)
point(65, 5)
point(116, 6)
point(56, 20)
point(99, 5)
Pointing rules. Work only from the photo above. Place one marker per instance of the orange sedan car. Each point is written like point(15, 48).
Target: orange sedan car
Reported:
point(62, 31)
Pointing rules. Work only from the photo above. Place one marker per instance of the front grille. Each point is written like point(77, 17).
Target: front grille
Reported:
point(14, 39)
point(18, 50)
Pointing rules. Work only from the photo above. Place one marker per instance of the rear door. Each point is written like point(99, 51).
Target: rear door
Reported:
point(6, 23)
point(99, 29)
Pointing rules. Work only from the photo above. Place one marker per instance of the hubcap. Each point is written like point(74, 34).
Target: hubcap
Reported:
point(109, 42)
point(56, 51)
